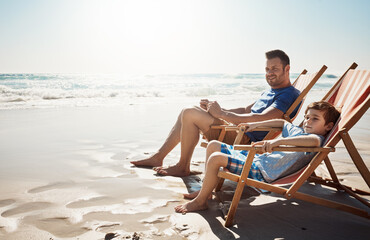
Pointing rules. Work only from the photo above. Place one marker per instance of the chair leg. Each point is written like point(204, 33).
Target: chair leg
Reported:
point(222, 135)
point(330, 168)
point(234, 203)
point(219, 184)
point(239, 136)
point(356, 157)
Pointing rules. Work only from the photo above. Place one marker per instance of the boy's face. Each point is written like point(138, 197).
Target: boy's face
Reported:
point(314, 122)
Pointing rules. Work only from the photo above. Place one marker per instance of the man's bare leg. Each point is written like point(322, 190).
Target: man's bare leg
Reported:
point(170, 143)
point(193, 121)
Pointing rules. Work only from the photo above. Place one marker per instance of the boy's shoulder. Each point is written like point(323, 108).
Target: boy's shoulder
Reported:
point(291, 130)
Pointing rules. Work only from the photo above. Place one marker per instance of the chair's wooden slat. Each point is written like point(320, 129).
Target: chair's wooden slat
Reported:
point(356, 157)
point(330, 168)
point(239, 188)
point(286, 148)
point(307, 84)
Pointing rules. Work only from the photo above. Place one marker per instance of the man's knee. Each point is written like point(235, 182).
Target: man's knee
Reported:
point(188, 112)
point(195, 114)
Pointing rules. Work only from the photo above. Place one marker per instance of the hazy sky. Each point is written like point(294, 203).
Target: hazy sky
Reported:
point(110, 36)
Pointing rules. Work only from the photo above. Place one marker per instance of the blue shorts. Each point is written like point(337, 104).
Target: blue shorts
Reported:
point(236, 161)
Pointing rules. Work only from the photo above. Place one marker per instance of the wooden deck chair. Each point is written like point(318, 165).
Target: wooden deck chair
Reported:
point(351, 94)
point(303, 83)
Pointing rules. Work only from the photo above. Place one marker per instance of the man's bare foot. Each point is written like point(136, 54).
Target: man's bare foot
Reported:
point(194, 195)
point(191, 206)
point(191, 195)
point(153, 161)
point(174, 170)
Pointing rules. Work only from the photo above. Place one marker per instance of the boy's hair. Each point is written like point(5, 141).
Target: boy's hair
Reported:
point(278, 54)
point(331, 114)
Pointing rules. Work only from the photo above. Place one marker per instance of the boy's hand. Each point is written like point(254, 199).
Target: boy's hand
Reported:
point(266, 145)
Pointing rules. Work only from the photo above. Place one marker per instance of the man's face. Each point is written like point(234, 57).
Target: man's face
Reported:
point(276, 75)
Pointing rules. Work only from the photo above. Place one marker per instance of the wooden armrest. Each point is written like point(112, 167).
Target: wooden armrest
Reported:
point(236, 128)
point(219, 126)
point(267, 129)
point(286, 148)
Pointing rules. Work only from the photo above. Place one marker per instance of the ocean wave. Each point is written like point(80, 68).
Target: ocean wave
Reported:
point(33, 90)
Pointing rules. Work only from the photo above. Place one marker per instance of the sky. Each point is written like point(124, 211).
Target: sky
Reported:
point(177, 37)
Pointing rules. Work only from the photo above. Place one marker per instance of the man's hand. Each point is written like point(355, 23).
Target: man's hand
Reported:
point(266, 145)
point(214, 109)
point(249, 127)
point(204, 104)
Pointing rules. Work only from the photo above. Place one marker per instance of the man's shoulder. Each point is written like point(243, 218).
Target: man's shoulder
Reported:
point(290, 91)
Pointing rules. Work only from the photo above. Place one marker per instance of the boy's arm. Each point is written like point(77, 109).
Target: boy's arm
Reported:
point(311, 140)
point(267, 123)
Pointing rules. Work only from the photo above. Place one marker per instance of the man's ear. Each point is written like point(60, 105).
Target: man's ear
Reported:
point(329, 126)
point(287, 68)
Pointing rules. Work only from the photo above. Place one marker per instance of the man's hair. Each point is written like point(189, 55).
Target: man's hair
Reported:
point(331, 114)
point(278, 54)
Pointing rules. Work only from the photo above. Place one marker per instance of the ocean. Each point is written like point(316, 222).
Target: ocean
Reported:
point(24, 91)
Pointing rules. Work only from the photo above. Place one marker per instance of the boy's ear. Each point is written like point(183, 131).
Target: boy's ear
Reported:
point(329, 126)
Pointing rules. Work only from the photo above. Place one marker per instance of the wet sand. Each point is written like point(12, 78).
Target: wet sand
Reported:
point(65, 174)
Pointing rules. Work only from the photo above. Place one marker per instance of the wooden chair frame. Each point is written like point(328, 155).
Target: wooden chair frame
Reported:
point(308, 172)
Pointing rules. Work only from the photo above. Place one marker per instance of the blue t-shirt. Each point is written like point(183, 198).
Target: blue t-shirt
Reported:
point(280, 98)
point(279, 164)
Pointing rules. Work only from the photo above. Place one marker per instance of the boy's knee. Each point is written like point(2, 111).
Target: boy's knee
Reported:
point(214, 146)
point(215, 158)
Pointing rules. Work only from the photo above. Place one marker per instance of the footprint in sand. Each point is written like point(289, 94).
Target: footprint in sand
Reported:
point(6, 202)
point(59, 226)
point(96, 201)
point(51, 187)
point(27, 207)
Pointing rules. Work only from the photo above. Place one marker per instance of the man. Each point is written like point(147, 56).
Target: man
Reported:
point(191, 121)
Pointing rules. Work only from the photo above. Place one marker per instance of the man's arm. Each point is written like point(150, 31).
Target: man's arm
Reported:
point(204, 103)
point(236, 118)
point(241, 110)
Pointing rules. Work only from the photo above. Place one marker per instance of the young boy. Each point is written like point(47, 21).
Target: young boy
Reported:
point(319, 119)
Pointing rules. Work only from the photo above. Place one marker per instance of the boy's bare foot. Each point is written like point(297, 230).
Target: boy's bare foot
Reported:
point(153, 161)
point(194, 195)
point(191, 206)
point(174, 170)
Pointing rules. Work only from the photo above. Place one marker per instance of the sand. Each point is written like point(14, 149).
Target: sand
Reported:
point(65, 174)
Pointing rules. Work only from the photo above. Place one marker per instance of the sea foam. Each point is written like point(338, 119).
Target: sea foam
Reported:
point(51, 90)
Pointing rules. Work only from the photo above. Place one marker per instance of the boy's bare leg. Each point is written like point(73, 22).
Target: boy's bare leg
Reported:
point(194, 195)
point(213, 146)
point(193, 121)
point(216, 161)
